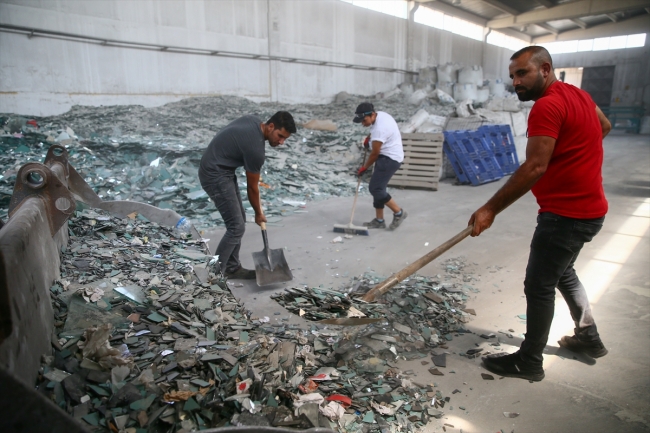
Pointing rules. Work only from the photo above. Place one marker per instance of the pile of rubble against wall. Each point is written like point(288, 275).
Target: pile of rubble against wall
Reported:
point(151, 155)
point(146, 341)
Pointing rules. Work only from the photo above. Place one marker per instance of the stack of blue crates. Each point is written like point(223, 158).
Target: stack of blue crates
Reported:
point(472, 157)
point(503, 146)
point(481, 156)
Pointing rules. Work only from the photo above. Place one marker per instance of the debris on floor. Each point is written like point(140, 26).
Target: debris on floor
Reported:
point(148, 338)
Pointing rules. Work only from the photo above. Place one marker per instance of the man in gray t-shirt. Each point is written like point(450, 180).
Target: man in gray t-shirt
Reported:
point(239, 144)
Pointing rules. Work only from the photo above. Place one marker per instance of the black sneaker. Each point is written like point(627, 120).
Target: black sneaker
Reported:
point(375, 224)
point(397, 220)
point(241, 274)
point(594, 349)
point(513, 366)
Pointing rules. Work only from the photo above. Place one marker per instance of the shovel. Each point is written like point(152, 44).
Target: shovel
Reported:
point(270, 265)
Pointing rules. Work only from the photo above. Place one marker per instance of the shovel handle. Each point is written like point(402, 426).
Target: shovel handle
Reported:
point(266, 240)
point(356, 191)
point(267, 251)
point(391, 281)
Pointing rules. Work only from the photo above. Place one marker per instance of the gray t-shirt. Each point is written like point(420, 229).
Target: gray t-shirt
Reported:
point(240, 143)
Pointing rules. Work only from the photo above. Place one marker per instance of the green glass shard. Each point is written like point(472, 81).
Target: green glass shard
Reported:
point(191, 405)
point(143, 404)
point(156, 317)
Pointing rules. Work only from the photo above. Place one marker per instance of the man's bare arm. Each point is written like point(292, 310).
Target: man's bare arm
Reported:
point(538, 154)
point(253, 190)
point(604, 122)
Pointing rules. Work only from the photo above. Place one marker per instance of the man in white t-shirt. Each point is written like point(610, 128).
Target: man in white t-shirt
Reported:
point(387, 153)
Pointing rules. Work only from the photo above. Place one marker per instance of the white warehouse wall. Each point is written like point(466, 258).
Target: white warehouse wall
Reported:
point(433, 46)
point(43, 76)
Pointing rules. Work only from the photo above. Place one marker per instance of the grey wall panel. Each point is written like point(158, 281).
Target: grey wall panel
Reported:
point(496, 61)
point(436, 47)
point(46, 76)
point(631, 76)
point(376, 33)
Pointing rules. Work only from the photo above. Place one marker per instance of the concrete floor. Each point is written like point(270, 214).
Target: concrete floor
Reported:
point(610, 395)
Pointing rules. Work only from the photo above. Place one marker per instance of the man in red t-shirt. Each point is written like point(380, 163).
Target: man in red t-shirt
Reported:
point(563, 168)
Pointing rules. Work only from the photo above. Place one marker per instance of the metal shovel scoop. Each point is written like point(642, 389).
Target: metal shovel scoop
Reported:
point(270, 265)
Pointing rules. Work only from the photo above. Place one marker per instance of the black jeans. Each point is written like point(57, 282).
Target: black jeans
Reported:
point(385, 168)
point(553, 251)
point(224, 192)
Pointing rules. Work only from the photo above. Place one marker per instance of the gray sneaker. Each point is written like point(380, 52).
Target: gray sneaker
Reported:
point(397, 220)
point(375, 224)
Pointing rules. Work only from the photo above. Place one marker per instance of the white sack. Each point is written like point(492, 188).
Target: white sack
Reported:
point(464, 108)
point(471, 75)
point(433, 124)
point(520, 145)
point(482, 94)
point(497, 88)
point(447, 73)
point(414, 122)
point(418, 96)
point(465, 91)
point(442, 96)
point(519, 124)
point(446, 87)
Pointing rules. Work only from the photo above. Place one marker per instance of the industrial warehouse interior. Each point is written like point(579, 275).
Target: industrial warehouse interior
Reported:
point(389, 261)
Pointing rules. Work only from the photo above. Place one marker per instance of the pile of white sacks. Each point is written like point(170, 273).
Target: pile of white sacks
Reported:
point(436, 85)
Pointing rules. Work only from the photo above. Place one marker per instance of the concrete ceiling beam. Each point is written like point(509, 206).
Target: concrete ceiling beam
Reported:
point(502, 7)
point(579, 23)
point(570, 10)
point(548, 28)
point(546, 3)
point(516, 34)
point(638, 24)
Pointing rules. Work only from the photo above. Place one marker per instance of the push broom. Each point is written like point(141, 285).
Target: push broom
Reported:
point(350, 228)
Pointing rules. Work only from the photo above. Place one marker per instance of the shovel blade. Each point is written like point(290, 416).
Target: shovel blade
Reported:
point(271, 268)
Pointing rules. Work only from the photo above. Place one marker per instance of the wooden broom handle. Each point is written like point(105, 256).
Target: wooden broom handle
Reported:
point(391, 281)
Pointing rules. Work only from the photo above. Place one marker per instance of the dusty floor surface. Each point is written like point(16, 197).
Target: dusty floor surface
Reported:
point(611, 394)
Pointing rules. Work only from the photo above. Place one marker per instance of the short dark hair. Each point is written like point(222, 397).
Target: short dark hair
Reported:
point(539, 54)
point(283, 119)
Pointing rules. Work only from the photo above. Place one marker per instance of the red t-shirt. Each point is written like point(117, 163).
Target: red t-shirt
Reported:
point(573, 183)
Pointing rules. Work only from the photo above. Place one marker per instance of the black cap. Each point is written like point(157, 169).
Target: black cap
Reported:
point(363, 110)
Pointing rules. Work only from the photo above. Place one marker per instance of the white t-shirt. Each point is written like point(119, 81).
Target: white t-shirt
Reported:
point(385, 129)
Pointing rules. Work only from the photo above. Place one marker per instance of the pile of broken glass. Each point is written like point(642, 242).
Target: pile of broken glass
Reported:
point(149, 338)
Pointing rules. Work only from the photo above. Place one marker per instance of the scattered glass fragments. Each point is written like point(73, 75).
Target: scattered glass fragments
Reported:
point(195, 358)
point(178, 344)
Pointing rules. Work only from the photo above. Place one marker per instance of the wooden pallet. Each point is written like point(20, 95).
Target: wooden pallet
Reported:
point(422, 161)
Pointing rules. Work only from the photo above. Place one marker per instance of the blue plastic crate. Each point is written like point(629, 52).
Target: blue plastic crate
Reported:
point(454, 162)
point(474, 157)
point(503, 146)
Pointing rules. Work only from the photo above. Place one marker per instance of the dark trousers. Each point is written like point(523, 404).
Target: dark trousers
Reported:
point(385, 168)
point(553, 251)
point(224, 192)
